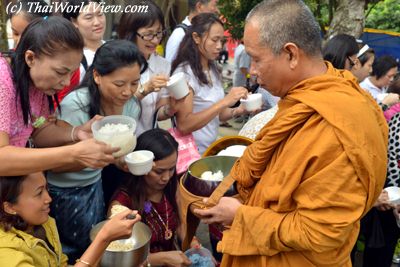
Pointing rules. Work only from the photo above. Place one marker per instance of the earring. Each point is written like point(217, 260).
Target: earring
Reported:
point(14, 213)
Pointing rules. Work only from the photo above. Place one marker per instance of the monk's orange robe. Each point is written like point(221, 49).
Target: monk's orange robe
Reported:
point(314, 170)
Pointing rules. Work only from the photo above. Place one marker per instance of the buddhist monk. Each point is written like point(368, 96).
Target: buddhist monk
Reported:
point(317, 167)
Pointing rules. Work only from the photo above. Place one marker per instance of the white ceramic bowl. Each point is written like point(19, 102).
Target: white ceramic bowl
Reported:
point(394, 194)
point(140, 162)
point(125, 140)
point(252, 102)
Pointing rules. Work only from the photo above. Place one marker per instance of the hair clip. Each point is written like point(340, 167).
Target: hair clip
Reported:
point(45, 17)
point(363, 50)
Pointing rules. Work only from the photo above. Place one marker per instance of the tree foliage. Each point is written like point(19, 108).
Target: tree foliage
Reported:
point(235, 12)
point(384, 15)
point(380, 14)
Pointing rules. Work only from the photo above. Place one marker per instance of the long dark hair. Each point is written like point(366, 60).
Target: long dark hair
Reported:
point(162, 144)
point(340, 48)
point(10, 189)
point(43, 37)
point(188, 51)
point(111, 56)
point(131, 22)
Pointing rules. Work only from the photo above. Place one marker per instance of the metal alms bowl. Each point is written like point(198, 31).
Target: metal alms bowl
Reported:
point(195, 185)
point(141, 235)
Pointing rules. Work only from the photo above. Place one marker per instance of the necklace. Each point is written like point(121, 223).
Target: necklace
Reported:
point(208, 74)
point(168, 232)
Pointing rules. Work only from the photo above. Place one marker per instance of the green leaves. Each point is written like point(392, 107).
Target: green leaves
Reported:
point(384, 15)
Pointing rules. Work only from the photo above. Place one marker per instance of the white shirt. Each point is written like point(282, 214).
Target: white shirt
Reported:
point(156, 65)
point(171, 50)
point(204, 97)
point(89, 55)
point(377, 93)
point(241, 60)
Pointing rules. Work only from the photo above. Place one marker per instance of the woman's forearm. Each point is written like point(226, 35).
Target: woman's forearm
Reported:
point(20, 161)
point(53, 134)
point(191, 122)
point(94, 252)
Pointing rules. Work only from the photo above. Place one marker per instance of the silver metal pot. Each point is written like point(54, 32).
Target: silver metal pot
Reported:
point(140, 237)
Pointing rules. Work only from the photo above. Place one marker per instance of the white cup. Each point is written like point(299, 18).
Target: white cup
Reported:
point(177, 85)
point(252, 102)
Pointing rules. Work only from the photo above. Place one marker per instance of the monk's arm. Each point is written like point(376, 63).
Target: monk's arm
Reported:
point(328, 205)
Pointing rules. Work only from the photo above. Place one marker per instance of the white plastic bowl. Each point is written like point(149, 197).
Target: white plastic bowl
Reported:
point(140, 162)
point(394, 194)
point(125, 140)
point(252, 102)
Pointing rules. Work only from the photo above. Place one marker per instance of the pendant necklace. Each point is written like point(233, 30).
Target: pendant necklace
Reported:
point(168, 232)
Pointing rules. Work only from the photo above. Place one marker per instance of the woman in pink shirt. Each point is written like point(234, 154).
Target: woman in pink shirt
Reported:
point(48, 53)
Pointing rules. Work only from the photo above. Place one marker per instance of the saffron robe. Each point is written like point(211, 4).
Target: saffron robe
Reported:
point(314, 170)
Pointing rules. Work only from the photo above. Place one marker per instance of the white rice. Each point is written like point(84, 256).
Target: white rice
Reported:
point(138, 157)
point(210, 176)
point(119, 245)
point(117, 209)
point(111, 128)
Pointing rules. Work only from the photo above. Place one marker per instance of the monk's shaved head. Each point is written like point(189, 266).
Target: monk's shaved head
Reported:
point(288, 21)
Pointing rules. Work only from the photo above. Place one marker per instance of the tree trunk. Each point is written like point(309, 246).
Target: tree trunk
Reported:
point(348, 18)
point(3, 27)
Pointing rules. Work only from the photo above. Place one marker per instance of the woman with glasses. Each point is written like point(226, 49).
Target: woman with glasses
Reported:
point(108, 89)
point(146, 30)
point(343, 52)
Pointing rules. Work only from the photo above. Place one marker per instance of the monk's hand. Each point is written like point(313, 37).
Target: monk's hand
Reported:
point(223, 213)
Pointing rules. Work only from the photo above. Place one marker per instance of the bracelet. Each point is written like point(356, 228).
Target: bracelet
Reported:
point(233, 113)
point(84, 262)
point(72, 134)
point(165, 111)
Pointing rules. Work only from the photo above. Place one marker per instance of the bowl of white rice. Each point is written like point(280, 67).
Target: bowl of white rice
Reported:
point(117, 131)
point(140, 162)
point(128, 252)
point(205, 174)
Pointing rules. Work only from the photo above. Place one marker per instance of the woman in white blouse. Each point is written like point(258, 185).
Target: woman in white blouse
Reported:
point(206, 105)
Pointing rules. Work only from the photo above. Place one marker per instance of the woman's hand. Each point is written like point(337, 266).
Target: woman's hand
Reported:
point(155, 83)
point(391, 99)
point(84, 131)
point(234, 95)
point(93, 154)
point(382, 202)
point(119, 227)
point(121, 164)
point(176, 258)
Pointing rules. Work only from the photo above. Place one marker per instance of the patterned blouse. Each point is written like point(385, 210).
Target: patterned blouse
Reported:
point(11, 119)
point(393, 173)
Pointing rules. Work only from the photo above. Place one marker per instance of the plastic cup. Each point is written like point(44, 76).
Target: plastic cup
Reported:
point(177, 85)
point(252, 102)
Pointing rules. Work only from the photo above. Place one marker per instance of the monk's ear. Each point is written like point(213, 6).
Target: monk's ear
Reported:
point(291, 54)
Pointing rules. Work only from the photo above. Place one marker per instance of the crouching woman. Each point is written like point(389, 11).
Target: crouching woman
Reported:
point(29, 237)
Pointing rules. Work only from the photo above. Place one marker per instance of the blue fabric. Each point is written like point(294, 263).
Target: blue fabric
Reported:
point(76, 210)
